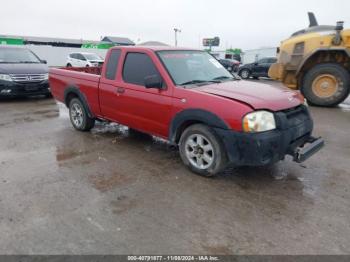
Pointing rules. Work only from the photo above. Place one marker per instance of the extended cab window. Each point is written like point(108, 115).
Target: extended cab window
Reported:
point(137, 67)
point(112, 64)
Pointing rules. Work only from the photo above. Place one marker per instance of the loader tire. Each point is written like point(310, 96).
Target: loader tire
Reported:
point(326, 85)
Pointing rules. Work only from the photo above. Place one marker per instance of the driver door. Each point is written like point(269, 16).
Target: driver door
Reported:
point(145, 109)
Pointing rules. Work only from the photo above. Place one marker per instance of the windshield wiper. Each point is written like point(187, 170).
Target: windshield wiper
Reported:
point(223, 78)
point(234, 77)
point(192, 82)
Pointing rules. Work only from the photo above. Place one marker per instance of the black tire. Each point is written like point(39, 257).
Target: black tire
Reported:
point(86, 123)
point(219, 159)
point(312, 79)
point(256, 77)
point(244, 73)
point(69, 65)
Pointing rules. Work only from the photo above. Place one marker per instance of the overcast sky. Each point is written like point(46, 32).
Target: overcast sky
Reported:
point(245, 24)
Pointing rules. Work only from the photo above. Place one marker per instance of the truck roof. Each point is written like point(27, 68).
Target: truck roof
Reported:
point(155, 48)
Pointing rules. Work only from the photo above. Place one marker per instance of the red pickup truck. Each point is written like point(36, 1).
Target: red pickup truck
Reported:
point(187, 97)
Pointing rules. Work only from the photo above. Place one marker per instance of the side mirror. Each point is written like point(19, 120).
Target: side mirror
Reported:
point(153, 81)
point(43, 61)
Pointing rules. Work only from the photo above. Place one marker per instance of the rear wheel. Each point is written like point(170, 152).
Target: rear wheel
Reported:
point(326, 85)
point(79, 116)
point(202, 151)
point(244, 73)
point(69, 65)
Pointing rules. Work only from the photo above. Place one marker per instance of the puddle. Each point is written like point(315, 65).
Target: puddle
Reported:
point(67, 154)
point(48, 111)
point(105, 183)
point(123, 204)
point(63, 156)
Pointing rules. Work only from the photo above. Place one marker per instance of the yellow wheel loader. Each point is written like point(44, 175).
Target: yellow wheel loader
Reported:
point(316, 60)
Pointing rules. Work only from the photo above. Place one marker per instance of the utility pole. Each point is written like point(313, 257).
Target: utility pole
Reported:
point(176, 30)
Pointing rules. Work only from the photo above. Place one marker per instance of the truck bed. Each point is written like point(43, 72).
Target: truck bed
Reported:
point(88, 70)
point(85, 79)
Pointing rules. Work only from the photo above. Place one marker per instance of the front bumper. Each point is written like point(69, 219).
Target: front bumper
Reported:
point(291, 137)
point(13, 89)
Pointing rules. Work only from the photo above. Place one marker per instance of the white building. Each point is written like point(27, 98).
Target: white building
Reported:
point(250, 56)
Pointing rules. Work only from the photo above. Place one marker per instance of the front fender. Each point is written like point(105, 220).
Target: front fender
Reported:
point(191, 116)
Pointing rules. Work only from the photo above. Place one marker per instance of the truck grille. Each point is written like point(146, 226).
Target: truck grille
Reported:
point(28, 78)
point(297, 120)
point(296, 116)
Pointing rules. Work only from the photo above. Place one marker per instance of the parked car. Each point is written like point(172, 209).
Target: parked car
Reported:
point(84, 60)
point(257, 69)
point(231, 65)
point(22, 73)
point(190, 99)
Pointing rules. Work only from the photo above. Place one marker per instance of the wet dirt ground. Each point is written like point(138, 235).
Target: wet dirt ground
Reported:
point(111, 192)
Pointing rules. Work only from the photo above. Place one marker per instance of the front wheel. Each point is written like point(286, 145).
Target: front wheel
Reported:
point(202, 151)
point(326, 85)
point(244, 73)
point(79, 116)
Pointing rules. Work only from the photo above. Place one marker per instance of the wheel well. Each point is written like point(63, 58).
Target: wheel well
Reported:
point(247, 69)
point(69, 98)
point(183, 127)
point(328, 56)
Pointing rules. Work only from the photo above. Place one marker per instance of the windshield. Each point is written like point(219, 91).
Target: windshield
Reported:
point(92, 57)
point(191, 67)
point(17, 55)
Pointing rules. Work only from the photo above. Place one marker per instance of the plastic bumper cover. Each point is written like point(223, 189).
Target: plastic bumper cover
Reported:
point(291, 137)
point(11, 89)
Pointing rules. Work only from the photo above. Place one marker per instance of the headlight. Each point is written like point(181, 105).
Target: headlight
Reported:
point(259, 121)
point(5, 77)
point(46, 76)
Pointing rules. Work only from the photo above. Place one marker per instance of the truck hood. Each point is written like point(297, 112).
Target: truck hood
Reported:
point(257, 95)
point(23, 69)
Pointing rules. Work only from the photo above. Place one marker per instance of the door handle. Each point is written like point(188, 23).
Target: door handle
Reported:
point(120, 90)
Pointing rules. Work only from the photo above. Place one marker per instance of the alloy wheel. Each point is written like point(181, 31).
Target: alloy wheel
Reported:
point(77, 114)
point(199, 151)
